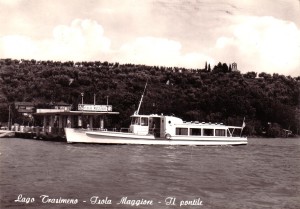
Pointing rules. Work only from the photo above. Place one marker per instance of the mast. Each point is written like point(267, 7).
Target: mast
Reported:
point(137, 112)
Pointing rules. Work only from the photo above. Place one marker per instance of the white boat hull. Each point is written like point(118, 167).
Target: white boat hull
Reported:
point(106, 137)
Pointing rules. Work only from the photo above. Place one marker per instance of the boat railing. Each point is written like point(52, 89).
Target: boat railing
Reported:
point(95, 129)
point(27, 129)
point(234, 132)
point(126, 130)
point(108, 129)
point(38, 129)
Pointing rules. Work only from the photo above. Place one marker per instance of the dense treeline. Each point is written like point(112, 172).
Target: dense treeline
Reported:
point(270, 103)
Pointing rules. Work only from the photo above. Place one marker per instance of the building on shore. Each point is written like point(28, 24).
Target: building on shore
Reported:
point(55, 117)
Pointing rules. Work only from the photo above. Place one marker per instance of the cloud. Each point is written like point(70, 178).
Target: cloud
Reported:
point(265, 43)
point(160, 51)
point(150, 50)
point(82, 40)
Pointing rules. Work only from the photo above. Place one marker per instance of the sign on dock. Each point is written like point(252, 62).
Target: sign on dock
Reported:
point(96, 108)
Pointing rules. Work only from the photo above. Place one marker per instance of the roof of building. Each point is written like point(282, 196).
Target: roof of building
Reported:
point(70, 113)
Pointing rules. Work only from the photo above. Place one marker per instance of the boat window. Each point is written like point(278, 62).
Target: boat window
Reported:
point(195, 131)
point(144, 121)
point(208, 132)
point(181, 131)
point(220, 132)
point(135, 121)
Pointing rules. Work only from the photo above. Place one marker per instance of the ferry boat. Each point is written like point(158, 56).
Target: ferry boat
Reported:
point(162, 130)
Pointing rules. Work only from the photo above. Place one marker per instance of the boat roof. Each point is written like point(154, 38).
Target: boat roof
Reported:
point(147, 116)
point(205, 125)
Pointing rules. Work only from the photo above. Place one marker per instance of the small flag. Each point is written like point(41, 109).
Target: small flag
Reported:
point(244, 124)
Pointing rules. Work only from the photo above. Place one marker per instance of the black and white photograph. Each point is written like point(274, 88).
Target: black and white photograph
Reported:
point(150, 104)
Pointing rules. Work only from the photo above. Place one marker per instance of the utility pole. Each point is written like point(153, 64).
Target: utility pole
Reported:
point(107, 103)
point(82, 94)
point(8, 124)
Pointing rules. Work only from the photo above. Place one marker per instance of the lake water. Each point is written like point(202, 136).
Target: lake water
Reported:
point(263, 174)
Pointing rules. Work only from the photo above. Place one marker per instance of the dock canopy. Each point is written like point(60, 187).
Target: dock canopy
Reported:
point(42, 112)
point(61, 118)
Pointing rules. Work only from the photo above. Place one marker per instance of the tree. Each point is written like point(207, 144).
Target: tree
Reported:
point(219, 96)
point(209, 68)
point(250, 75)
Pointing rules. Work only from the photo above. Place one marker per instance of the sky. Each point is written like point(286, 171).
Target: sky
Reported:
point(260, 36)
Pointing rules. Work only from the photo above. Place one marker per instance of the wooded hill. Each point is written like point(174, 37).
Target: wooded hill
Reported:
point(269, 103)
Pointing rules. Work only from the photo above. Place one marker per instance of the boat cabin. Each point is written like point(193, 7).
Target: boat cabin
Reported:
point(156, 125)
point(145, 124)
point(169, 126)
